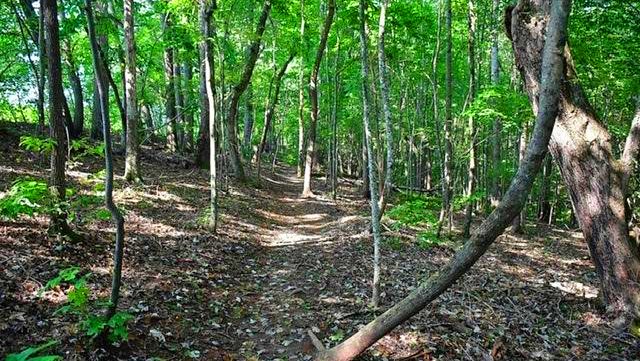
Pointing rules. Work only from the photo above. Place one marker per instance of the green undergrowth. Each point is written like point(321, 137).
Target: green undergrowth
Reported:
point(417, 214)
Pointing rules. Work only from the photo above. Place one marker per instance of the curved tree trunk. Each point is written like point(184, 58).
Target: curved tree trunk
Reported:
point(581, 146)
point(268, 114)
point(497, 221)
point(230, 123)
point(115, 213)
point(313, 96)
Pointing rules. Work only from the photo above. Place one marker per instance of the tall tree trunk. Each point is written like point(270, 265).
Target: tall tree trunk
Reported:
point(248, 120)
point(446, 214)
point(97, 121)
point(78, 101)
point(497, 221)
point(544, 206)
point(268, 114)
point(313, 97)
point(386, 110)
point(471, 175)
point(115, 213)
point(145, 111)
point(42, 53)
point(581, 146)
point(518, 222)
point(206, 8)
point(202, 144)
point(238, 89)
point(131, 168)
point(334, 124)
point(170, 97)
point(188, 109)
point(300, 168)
point(177, 92)
point(373, 182)
point(494, 197)
point(57, 181)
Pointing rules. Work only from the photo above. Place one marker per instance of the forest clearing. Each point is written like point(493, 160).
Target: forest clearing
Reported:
point(320, 180)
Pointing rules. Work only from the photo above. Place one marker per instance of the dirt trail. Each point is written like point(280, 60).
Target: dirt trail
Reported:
point(292, 280)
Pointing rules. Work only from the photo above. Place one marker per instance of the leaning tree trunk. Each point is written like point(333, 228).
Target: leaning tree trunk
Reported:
point(131, 168)
point(268, 114)
point(230, 123)
point(313, 96)
point(498, 220)
point(581, 146)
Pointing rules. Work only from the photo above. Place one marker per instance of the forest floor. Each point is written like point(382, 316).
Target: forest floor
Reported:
point(280, 266)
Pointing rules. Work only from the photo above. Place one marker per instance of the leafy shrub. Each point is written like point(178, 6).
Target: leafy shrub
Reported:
point(460, 202)
point(37, 145)
point(26, 196)
point(78, 303)
point(414, 210)
point(102, 214)
point(84, 147)
point(25, 355)
point(428, 239)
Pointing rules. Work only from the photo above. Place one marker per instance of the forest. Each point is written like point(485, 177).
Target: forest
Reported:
point(319, 180)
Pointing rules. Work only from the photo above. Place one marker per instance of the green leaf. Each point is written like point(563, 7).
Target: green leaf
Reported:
point(24, 355)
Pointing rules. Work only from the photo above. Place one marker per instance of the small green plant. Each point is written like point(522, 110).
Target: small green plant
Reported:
point(460, 202)
point(428, 239)
point(84, 201)
point(29, 354)
point(84, 148)
point(337, 336)
point(102, 214)
point(415, 210)
point(37, 145)
point(26, 196)
point(78, 303)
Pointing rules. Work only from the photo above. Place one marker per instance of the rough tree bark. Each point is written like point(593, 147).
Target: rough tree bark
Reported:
point(230, 123)
point(57, 181)
point(497, 221)
point(313, 97)
point(131, 168)
point(581, 146)
point(106, 126)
